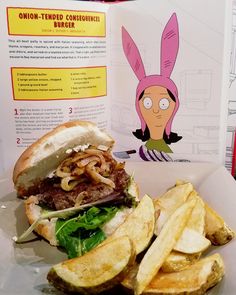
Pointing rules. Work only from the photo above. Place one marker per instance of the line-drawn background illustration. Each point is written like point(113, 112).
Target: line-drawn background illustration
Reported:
point(231, 123)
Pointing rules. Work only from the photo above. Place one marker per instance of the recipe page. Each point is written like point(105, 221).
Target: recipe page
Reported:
point(54, 67)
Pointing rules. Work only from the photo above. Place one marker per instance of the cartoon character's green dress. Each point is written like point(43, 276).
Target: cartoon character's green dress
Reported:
point(158, 145)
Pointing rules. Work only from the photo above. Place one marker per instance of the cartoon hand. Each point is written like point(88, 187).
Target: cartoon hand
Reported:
point(153, 155)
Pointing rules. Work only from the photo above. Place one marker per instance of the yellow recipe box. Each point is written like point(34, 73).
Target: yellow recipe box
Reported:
point(58, 83)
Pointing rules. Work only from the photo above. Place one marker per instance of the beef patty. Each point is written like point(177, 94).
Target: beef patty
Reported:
point(52, 196)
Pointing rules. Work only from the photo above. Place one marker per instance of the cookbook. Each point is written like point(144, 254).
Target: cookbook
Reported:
point(154, 76)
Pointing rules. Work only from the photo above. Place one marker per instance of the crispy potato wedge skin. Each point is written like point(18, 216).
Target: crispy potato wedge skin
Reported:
point(178, 261)
point(162, 246)
point(217, 231)
point(138, 225)
point(98, 270)
point(195, 280)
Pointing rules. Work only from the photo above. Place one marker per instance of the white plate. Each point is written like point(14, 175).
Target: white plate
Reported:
point(24, 267)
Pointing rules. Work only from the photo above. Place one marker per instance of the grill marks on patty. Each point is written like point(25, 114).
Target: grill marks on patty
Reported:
point(52, 196)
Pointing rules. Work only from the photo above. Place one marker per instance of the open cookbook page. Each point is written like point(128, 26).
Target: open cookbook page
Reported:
point(115, 65)
point(54, 68)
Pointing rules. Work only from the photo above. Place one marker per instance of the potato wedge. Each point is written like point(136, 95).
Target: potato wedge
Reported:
point(191, 242)
point(162, 246)
point(174, 197)
point(194, 280)
point(139, 225)
point(170, 201)
point(180, 181)
point(192, 239)
point(178, 261)
point(197, 218)
point(217, 231)
point(98, 270)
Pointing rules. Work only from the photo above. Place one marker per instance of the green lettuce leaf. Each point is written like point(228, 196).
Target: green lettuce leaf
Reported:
point(80, 234)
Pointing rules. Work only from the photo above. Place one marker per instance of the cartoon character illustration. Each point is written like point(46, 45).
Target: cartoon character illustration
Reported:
point(156, 95)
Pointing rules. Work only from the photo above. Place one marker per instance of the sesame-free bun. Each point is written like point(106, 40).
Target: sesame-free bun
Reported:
point(44, 228)
point(44, 156)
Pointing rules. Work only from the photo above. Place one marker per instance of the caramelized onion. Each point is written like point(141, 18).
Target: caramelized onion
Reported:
point(91, 163)
point(79, 156)
point(88, 160)
point(69, 182)
point(91, 170)
point(78, 171)
point(61, 173)
point(93, 152)
point(80, 198)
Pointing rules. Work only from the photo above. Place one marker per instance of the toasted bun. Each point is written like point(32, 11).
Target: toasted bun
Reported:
point(43, 156)
point(46, 228)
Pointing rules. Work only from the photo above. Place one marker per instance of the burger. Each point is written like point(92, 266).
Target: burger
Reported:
point(75, 193)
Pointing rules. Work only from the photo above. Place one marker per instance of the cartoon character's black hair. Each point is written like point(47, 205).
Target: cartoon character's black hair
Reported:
point(144, 136)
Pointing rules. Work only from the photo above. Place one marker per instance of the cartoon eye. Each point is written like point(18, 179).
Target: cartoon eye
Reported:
point(164, 104)
point(147, 102)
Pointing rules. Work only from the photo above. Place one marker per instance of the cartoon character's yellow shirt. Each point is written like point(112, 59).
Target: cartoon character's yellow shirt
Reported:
point(158, 145)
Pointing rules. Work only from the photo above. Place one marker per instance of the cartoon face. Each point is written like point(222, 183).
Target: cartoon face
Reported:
point(156, 107)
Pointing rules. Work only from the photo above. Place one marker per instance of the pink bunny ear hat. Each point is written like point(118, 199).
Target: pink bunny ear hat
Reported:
point(169, 51)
